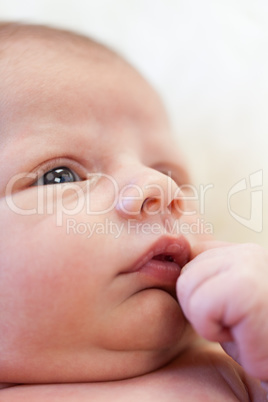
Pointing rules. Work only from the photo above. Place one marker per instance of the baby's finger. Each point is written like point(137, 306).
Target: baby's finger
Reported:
point(204, 266)
point(223, 293)
point(207, 245)
point(215, 307)
point(204, 293)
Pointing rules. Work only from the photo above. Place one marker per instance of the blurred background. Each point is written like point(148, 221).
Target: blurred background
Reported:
point(209, 61)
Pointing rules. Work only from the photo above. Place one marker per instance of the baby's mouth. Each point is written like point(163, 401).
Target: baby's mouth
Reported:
point(162, 271)
point(161, 265)
point(164, 257)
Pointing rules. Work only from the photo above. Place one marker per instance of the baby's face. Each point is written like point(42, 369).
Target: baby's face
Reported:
point(87, 267)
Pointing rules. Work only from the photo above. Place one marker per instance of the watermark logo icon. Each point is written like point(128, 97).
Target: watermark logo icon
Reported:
point(255, 220)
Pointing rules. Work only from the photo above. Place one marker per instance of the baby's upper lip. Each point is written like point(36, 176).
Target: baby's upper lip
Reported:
point(172, 249)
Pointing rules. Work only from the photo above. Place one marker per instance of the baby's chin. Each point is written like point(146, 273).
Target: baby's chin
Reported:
point(142, 344)
point(150, 320)
point(127, 363)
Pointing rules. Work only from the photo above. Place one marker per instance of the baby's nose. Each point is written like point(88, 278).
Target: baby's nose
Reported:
point(149, 192)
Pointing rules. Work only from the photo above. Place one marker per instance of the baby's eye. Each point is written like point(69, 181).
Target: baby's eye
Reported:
point(58, 175)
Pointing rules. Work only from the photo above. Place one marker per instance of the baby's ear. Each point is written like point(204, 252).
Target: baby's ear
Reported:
point(208, 245)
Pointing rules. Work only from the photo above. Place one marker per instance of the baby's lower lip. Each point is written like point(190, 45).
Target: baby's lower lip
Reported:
point(164, 270)
point(160, 274)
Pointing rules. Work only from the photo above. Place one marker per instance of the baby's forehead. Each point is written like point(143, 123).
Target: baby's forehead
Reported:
point(38, 49)
point(57, 75)
point(37, 56)
point(26, 48)
point(36, 37)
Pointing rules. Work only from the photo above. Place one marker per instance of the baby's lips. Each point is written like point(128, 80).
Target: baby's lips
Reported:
point(177, 248)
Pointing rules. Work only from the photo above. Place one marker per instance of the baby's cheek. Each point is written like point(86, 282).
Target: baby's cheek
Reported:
point(45, 292)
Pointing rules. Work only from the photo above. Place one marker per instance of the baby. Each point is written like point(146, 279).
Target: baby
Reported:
point(105, 292)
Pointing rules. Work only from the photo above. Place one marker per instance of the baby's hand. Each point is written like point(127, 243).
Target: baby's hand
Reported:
point(223, 292)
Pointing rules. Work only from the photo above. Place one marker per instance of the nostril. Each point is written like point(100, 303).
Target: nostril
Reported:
point(152, 206)
point(157, 205)
point(144, 203)
point(176, 206)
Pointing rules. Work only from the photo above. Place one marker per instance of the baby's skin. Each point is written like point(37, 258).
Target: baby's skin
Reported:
point(203, 374)
point(99, 298)
point(223, 293)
